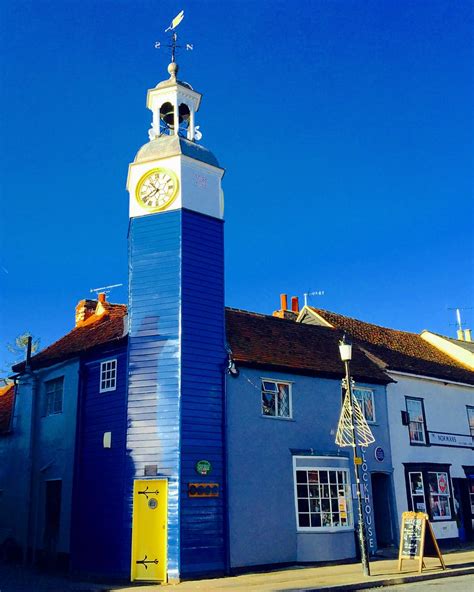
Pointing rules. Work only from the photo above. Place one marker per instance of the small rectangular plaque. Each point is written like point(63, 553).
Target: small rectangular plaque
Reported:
point(203, 489)
point(151, 470)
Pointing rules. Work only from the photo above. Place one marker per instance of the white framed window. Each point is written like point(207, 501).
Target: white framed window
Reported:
point(438, 484)
point(417, 491)
point(416, 420)
point(323, 498)
point(54, 396)
point(365, 398)
point(276, 398)
point(470, 419)
point(108, 376)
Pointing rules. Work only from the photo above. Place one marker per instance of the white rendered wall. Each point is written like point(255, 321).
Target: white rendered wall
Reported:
point(445, 411)
point(199, 187)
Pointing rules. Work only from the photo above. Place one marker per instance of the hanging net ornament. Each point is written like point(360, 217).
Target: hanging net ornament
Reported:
point(345, 434)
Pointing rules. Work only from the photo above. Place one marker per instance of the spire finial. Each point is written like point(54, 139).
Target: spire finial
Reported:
point(173, 70)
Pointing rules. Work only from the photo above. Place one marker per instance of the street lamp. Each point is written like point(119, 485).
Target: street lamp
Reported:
point(345, 350)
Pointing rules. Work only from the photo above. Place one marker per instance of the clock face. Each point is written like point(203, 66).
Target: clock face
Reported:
point(157, 189)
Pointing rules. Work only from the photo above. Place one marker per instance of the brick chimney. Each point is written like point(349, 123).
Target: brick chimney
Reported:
point(468, 335)
point(84, 310)
point(284, 312)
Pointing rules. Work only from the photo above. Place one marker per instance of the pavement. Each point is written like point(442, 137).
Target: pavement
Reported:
point(341, 577)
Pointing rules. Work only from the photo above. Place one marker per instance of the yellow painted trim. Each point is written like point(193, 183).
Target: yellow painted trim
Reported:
point(144, 177)
point(457, 352)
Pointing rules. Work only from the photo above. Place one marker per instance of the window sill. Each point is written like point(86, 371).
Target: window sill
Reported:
point(277, 417)
point(325, 529)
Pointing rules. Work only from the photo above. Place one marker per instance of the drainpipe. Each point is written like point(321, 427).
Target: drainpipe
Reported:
point(31, 451)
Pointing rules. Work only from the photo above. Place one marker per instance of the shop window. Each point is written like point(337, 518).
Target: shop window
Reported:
point(429, 490)
point(440, 506)
point(470, 419)
point(276, 399)
point(54, 396)
point(416, 420)
point(108, 376)
point(323, 499)
point(365, 398)
point(417, 492)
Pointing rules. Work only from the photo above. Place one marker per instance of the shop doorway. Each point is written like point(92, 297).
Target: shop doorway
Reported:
point(462, 506)
point(382, 509)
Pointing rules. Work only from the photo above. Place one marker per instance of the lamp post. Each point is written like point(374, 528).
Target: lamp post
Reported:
point(345, 350)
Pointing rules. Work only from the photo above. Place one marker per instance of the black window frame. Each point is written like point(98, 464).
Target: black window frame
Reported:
point(471, 430)
point(425, 427)
point(424, 469)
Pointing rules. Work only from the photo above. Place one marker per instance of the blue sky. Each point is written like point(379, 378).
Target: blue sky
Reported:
point(345, 128)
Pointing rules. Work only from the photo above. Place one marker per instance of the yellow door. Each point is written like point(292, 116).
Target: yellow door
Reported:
point(149, 530)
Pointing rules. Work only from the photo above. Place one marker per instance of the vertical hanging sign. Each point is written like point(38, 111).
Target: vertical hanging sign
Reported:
point(367, 504)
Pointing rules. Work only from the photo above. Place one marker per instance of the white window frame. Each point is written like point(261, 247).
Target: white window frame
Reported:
point(348, 497)
point(47, 410)
point(446, 495)
point(367, 390)
point(108, 366)
point(413, 505)
point(276, 381)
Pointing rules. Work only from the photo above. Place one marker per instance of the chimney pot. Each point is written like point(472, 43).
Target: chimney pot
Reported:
point(467, 335)
point(295, 306)
point(460, 335)
point(283, 302)
point(102, 297)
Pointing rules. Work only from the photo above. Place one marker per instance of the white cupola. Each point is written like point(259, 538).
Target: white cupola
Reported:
point(173, 104)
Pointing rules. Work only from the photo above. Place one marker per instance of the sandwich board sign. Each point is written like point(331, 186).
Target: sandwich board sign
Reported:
point(417, 540)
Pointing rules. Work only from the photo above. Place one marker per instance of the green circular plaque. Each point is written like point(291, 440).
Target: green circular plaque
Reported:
point(203, 467)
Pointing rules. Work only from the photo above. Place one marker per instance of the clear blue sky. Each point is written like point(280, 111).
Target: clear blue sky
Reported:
point(345, 127)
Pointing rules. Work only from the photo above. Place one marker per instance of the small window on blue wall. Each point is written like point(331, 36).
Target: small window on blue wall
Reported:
point(276, 398)
point(54, 396)
point(108, 376)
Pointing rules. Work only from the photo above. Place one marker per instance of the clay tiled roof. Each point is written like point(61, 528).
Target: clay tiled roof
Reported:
point(400, 350)
point(269, 342)
point(7, 399)
point(97, 330)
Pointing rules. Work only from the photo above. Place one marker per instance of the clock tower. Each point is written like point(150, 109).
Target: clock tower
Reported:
point(177, 357)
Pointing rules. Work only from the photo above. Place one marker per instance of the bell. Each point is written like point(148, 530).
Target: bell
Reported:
point(167, 115)
point(184, 114)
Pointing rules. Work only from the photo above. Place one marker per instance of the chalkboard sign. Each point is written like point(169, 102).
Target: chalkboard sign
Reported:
point(413, 539)
point(411, 535)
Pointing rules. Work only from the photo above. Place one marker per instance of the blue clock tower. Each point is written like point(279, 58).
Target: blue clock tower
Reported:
point(177, 356)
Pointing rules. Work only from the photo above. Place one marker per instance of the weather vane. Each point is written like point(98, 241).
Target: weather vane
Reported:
point(174, 38)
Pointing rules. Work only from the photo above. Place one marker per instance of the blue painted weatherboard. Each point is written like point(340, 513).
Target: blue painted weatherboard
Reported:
point(260, 457)
point(176, 369)
point(100, 532)
point(203, 359)
point(153, 436)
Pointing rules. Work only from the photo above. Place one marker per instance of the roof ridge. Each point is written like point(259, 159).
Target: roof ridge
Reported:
point(336, 314)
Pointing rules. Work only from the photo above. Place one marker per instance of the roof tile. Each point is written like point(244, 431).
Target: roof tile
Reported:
point(7, 398)
point(400, 350)
point(269, 342)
